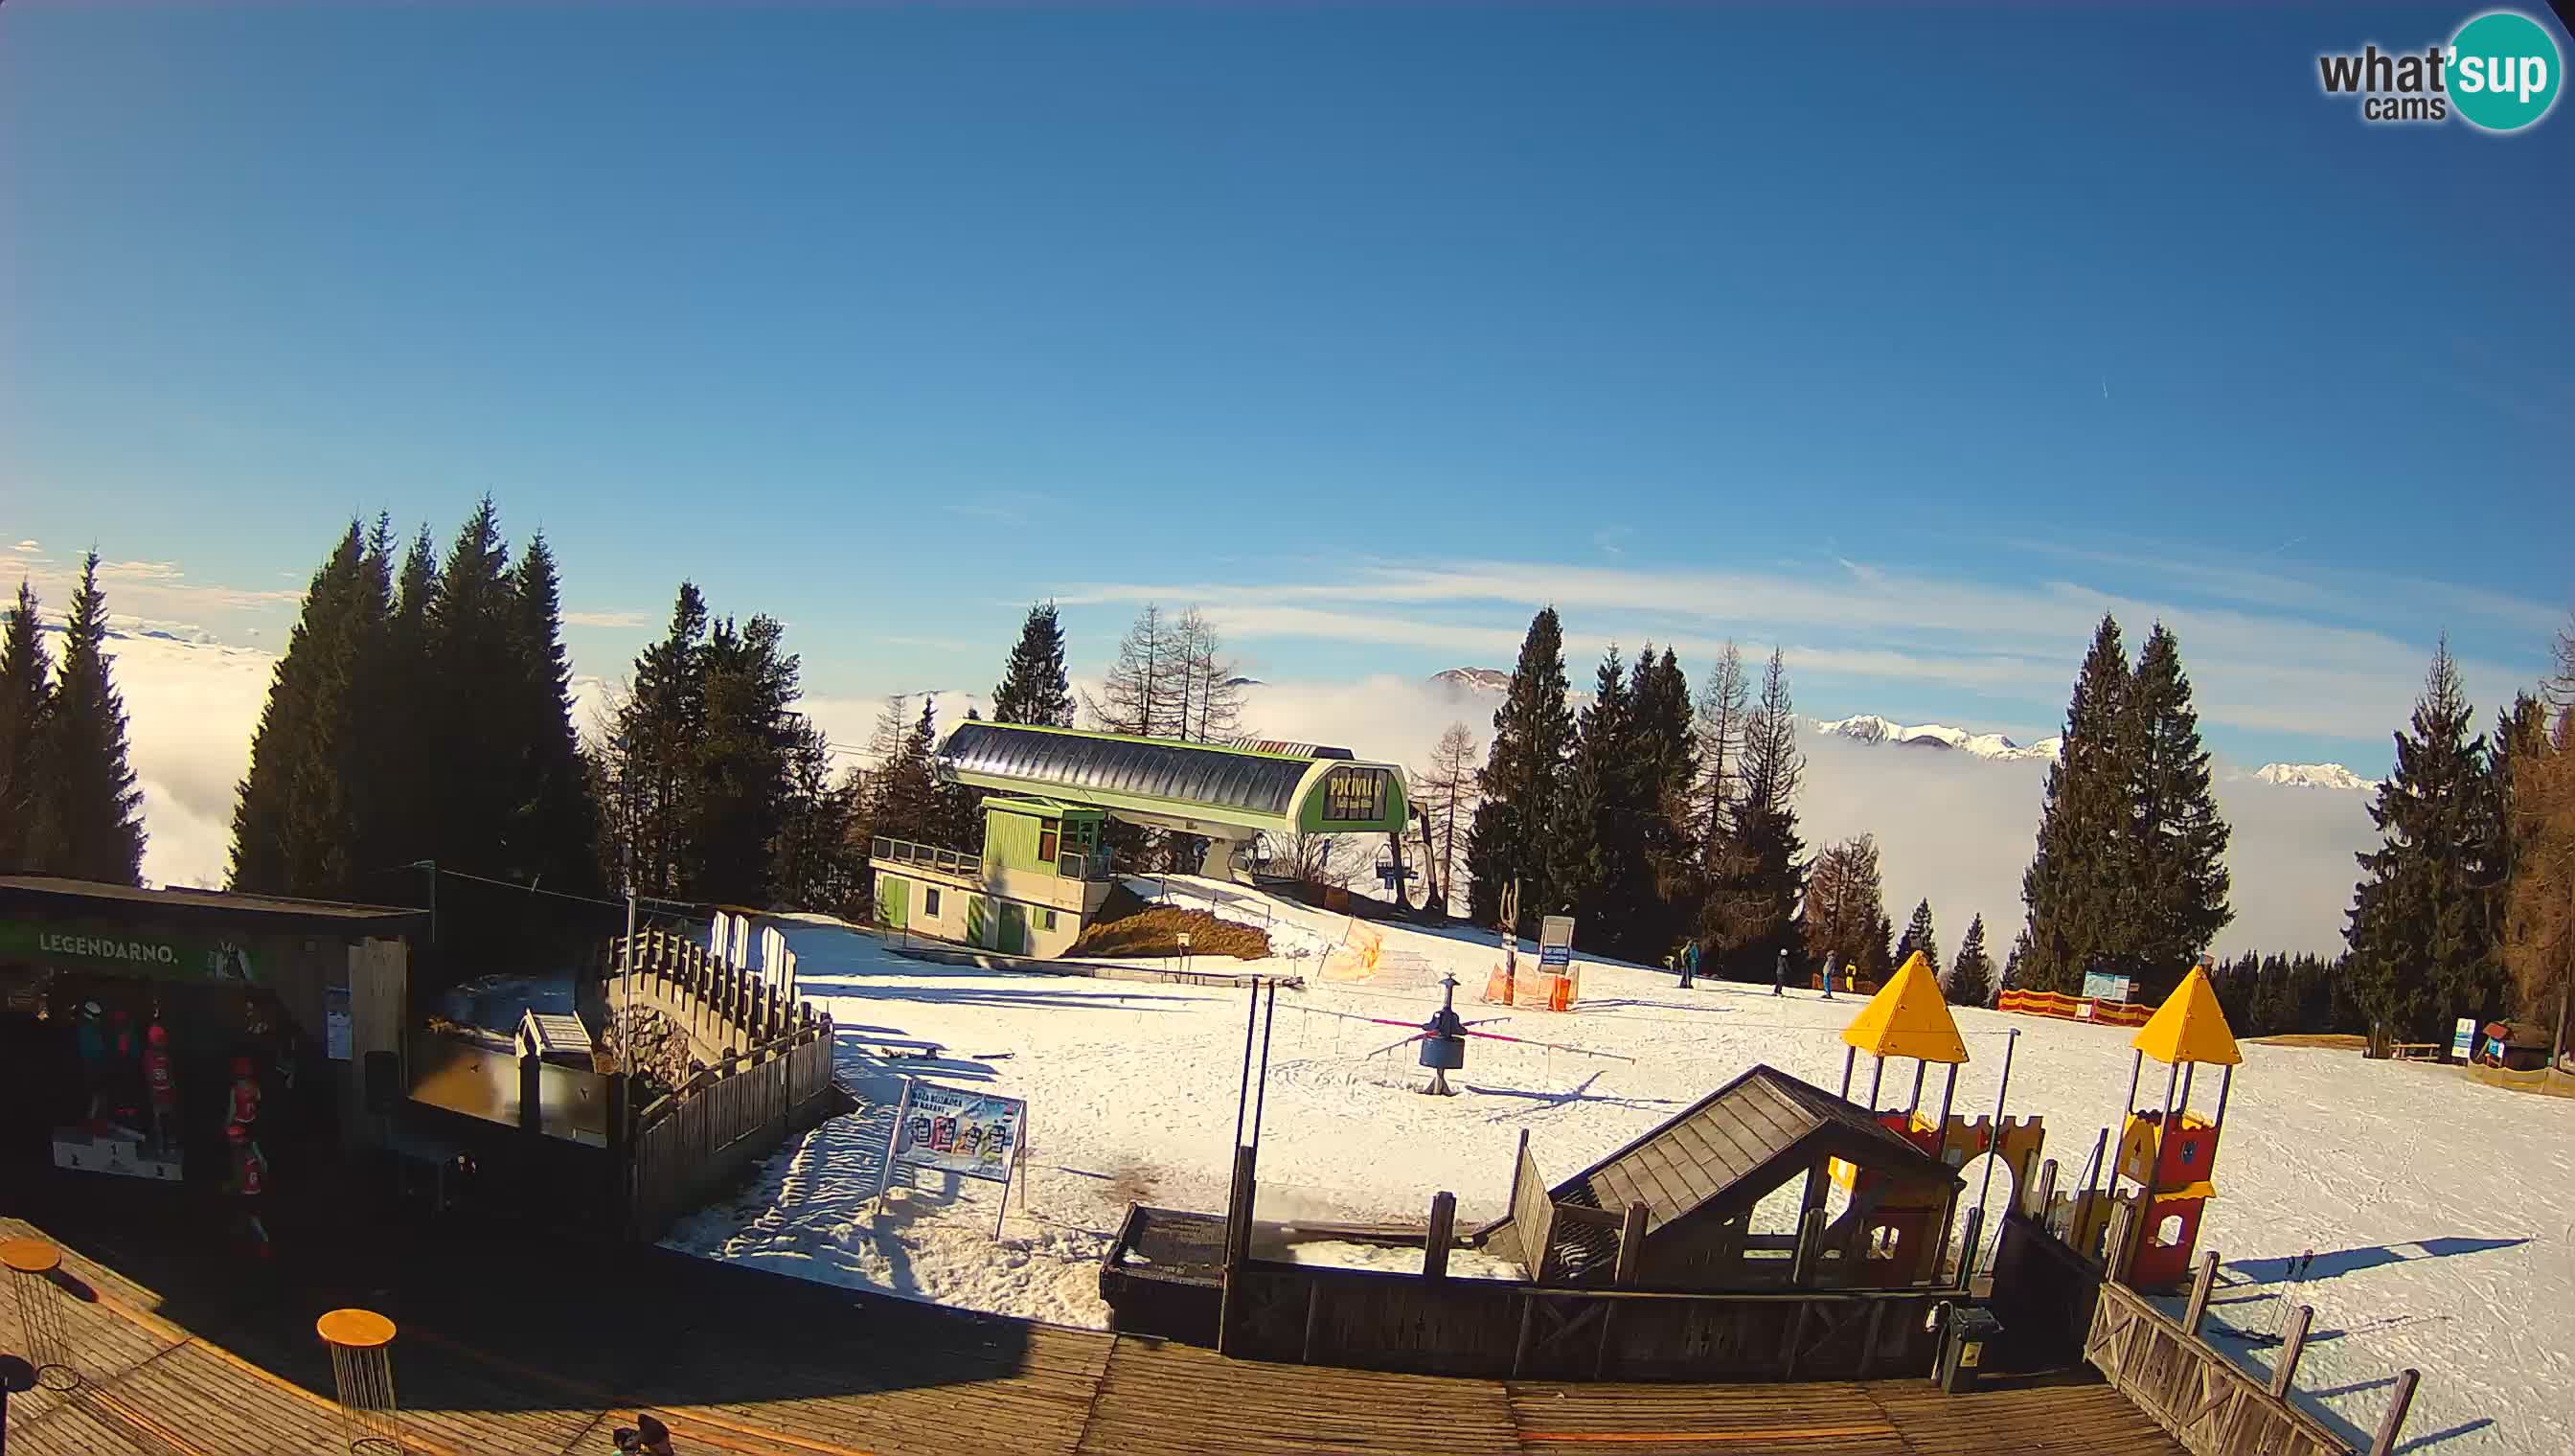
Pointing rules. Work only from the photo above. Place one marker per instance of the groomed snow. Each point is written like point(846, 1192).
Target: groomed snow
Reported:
point(2441, 1211)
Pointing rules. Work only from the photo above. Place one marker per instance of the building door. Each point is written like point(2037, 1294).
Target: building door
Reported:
point(894, 902)
point(1014, 928)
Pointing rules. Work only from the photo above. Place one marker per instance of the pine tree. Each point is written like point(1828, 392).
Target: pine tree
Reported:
point(1666, 803)
point(1876, 958)
point(2422, 945)
point(1971, 980)
point(1533, 731)
point(553, 829)
point(1596, 850)
point(2072, 887)
point(400, 825)
point(96, 822)
point(1754, 877)
point(1449, 789)
point(470, 757)
point(1918, 935)
point(2172, 876)
point(26, 693)
point(1034, 687)
point(818, 859)
point(741, 767)
point(907, 788)
point(655, 739)
point(298, 817)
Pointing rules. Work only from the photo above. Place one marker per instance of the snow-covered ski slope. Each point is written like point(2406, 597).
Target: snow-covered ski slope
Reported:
point(2442, 1213)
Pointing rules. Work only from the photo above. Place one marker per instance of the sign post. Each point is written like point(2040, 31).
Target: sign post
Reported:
point(952, 1130)
point(2463, 1039)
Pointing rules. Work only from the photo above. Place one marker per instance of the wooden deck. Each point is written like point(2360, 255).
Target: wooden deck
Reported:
point(741, 1363)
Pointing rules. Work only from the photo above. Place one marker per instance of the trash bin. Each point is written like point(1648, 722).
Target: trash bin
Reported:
point(1964, 1332)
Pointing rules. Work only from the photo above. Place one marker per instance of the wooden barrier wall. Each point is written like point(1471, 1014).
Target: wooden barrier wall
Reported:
point(1492, 1330)
point(714, 1126)
point(2074, 1009)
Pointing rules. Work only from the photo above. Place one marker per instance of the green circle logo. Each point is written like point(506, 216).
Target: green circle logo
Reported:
point(2505, 72)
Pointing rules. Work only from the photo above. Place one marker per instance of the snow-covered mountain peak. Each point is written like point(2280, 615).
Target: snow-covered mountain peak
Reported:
point(2314, 776)
point(1474, 679)
point(1869, 728)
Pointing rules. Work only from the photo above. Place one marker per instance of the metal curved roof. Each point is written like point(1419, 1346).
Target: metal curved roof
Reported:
point(1070, 763)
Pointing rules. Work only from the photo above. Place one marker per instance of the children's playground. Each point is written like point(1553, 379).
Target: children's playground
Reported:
point(2422, 1218)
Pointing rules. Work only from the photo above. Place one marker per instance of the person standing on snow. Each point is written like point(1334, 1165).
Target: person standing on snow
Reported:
point(1830, 959)
point(1690, 964)
point(1779, 973)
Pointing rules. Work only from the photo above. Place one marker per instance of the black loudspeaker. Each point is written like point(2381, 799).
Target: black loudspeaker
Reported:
point(383, 1082)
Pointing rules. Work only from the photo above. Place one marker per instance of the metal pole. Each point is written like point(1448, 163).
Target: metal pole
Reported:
point(1921, 1068)
point(2172, 1080)
point(1876, 1074)
point(1849, 1056)
point(2136, 1071)
point(1243, 1090)
point(2010, 1039)
point(1260, 1093)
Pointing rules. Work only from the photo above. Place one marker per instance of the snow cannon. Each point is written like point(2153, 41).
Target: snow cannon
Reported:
point(1443, 1041)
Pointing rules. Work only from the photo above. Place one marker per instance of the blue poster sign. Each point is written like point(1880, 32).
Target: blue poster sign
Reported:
point(2463, 1039)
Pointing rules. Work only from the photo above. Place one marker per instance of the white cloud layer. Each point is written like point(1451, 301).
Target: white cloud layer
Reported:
point(1955, 829)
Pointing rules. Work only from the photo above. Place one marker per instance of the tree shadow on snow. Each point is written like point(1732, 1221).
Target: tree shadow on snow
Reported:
point(1579, 1092)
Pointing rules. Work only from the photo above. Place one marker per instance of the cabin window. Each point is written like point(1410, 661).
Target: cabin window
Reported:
point(1047, 919)
point(930, 902)
point(1049, 839)
point(1352, 795)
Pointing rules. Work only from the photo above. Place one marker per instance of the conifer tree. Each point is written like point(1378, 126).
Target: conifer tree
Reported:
point(655, 739)
point(296, 814)
point(2172, 876)
point(1754, 875)
point(1725, 707)
point(1918, 935)
point(1533, 731)
point(26, 691)
point(1034, 688)
point(2072, 885)
point(472, 753)
point(96, 823)
point(553, 829)
point(907, 789)
point(401, 822)
point(1971, 980)
point(1595, 851)
point(1666, 803)
point(1844, 907)
point(2536, 760)
point(2421, 938)
point(1876, 958)
point(742, 768)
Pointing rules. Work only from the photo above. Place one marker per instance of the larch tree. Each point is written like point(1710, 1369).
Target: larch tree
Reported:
point(2420, 932)
point(1725, 707)
point(96, 818)
point(1142, 693)
point(1520, 784)
point(1448, 790)
point(1845, 907)
point(1756, 875)
point(1034, 687)
point(2537, 910)
point(1971, 980)
point(26, 691)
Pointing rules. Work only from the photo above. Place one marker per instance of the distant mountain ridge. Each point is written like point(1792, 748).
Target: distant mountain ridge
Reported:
point(1869, 728)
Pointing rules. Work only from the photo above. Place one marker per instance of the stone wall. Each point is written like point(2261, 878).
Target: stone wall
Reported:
point(662, 1051)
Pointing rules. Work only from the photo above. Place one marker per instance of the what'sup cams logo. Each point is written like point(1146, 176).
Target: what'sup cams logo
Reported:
point(2500, 73)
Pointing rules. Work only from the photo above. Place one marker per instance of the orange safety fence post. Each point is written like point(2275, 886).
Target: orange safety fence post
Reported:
point(35, 1283)
point(362, 1367)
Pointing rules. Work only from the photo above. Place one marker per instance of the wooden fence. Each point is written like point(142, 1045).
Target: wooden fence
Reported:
point(2213, 1407)
point(1493, 1329)
point(775, 1073)
point(2074, 1009)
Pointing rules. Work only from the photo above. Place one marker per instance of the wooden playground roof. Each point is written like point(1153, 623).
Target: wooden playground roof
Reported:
point(1717, 1157)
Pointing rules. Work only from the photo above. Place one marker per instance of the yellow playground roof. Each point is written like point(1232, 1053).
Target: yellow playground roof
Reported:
point(1908, 1017)
point(2189, 1026)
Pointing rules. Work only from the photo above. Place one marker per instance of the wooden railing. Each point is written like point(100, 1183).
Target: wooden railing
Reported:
point(724, 1009)
point(2211, 1405)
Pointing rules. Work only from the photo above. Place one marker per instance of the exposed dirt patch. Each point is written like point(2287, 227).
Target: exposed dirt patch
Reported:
point(1155, 930)
point(2330, 1040)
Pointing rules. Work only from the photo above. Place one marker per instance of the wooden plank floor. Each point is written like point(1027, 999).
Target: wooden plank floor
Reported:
point(745, 1364)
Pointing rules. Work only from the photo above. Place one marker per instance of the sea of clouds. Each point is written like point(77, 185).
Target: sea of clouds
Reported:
point(1952, 828)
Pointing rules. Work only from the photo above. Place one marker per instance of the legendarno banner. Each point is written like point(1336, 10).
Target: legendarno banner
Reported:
point(126, 953)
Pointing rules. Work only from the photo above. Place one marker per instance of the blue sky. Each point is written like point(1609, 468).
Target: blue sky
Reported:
point(1910, 340)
